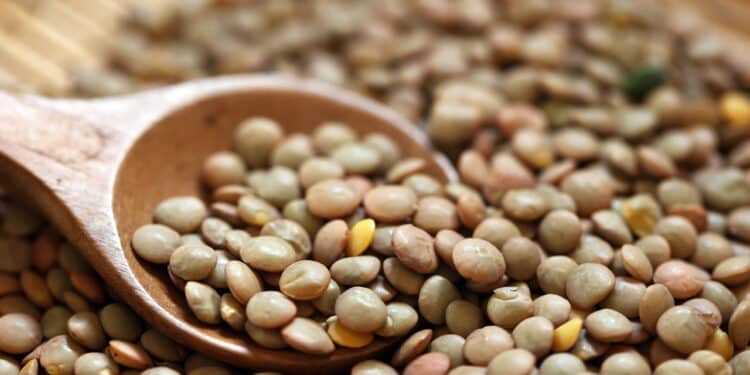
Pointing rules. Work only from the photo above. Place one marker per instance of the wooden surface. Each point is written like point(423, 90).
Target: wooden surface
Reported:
point(41, 41)
point(97, 169)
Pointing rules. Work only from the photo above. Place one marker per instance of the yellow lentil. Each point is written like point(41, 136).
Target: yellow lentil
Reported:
point(360, 237)
point(641, 213)
point(735, 107)
point(721, 344)
point(347, 338)
point(260, 218)
point(566, 335)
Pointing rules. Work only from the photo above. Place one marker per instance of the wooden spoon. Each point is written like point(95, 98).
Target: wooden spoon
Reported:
point(98, 168)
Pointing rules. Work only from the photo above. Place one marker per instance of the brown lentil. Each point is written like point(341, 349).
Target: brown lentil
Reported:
point(358, 270)
point(683, 280)
point(22, 333)
point(435, 295)
point(656, 248)
point(401, 318)
point(192, 262)
point(636, 263)
point(625, 296)
point(561, 363)
point(478, 260)
point(332, 199)
point(512, 362)
point(414, 248)
point(586, 347)
point(654, 302)
point(625, 363)
point(268, 253)
point(608, 325)
point(552, 273)
point(203, 301)
point(463, 317)
point(733, 271)
point(508, 306)
point(361, 310)
point(535, 335)
point(270, 309)
point(589, 284)
point(470, 209)
point(445, 241)
point(155, 242)
point(559, 232)
point(553, 307)
point(589, 190)
point(711, 249)
point(242, 281)
point(435, 213)
point(721, 296)
point(683, 329)
point(592, 249)
point(390, 203)
point(680, 234)
point(413, 346)
point(484, 344)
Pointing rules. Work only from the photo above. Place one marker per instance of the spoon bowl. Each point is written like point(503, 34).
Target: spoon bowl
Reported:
point(98, 168)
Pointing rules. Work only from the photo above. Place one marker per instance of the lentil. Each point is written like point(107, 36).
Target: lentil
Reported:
point(561, 363)
point(484, 344)
point(508, 306)
point(332, 199)
point(203, 301)
point(414, 248)
point(361, 310)
point(401, 318)
point(608, 325)
point(478, 260)
point(559, 232)
point(413, 346)
point(553, 307)
point(330, 242)
point(589, 284)
point(155, 242)
point(360, 237)
point(534, 334)
point(435, 295)
point(129, 355)
point(192, 262)
point(357, 270)
point(463, 317)
point(348, 338)
point(22, 333)
point(683, 329)
point(183, 214)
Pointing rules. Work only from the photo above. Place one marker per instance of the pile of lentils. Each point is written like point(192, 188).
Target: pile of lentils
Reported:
point(601, 223)
point(58, 318)
point(283, 249)
point(312, 242)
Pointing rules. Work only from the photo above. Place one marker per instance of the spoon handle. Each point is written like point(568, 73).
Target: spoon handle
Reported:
point(61, 138)
point(35, 125)
point(51, 155)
